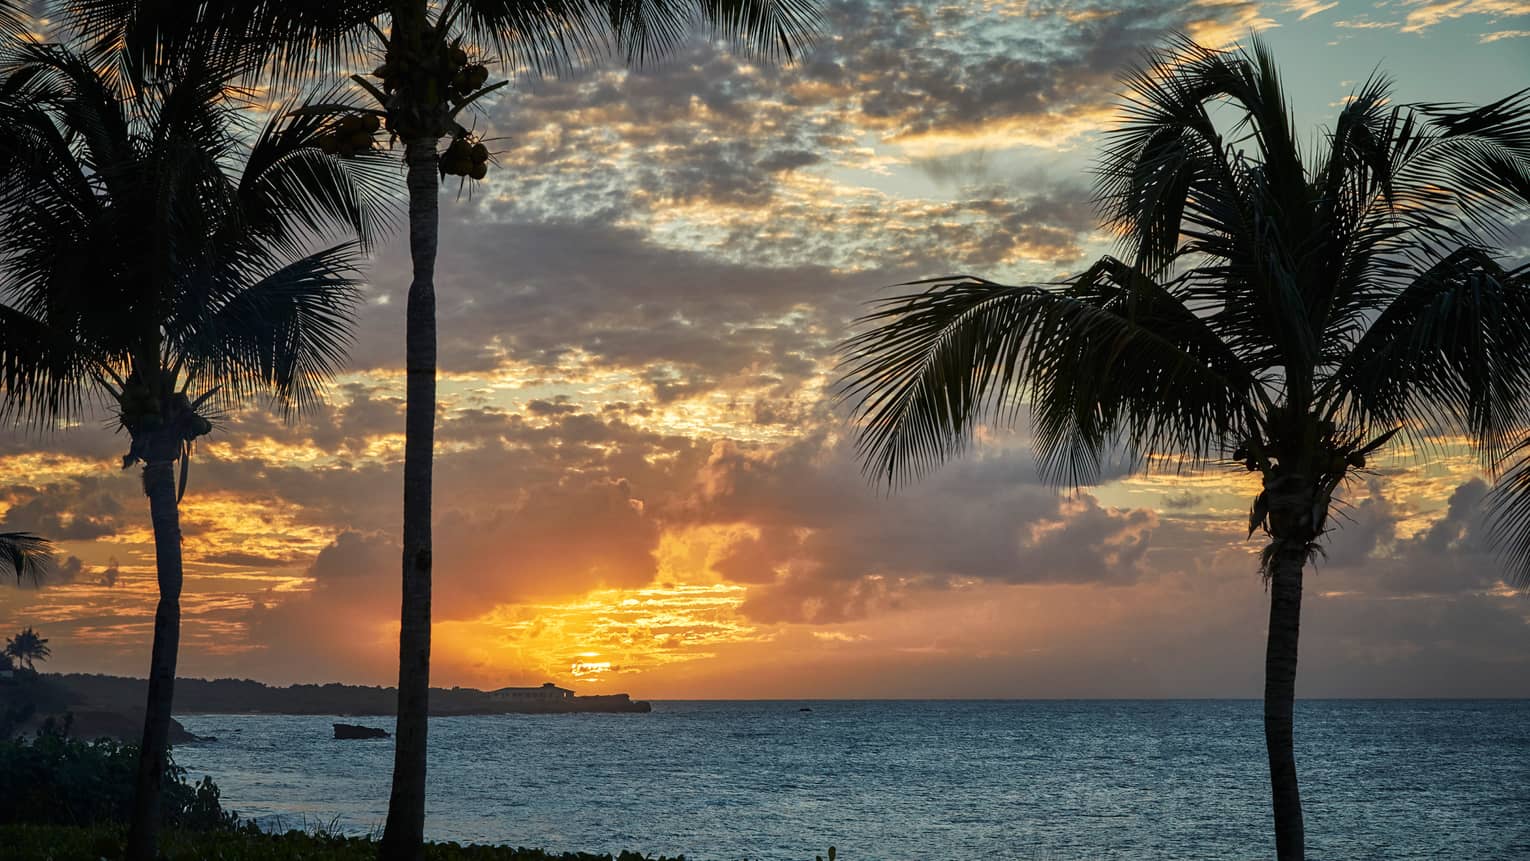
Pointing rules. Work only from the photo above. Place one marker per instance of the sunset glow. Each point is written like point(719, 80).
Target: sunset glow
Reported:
point(643, 482)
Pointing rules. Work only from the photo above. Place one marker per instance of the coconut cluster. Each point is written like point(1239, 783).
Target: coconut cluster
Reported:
point(464, 157)
point(463, 78)
point(350, 135)
point(139, 411)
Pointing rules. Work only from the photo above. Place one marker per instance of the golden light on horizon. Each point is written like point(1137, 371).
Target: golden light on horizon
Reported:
point(599, 637)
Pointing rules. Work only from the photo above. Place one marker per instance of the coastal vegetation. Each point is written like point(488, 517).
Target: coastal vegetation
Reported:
point(56, 779)
point(1280, 310)
point(164, 256)
point(57, 843)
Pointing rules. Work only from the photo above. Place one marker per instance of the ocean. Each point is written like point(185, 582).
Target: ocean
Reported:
point(906, 780)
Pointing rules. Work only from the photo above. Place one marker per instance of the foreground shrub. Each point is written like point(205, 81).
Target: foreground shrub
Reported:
point(60, 843)
point(54, 779)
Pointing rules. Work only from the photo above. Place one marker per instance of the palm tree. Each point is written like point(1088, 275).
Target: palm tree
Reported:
point(26, 646)
point(28, 556)
point(434, 64)
point(160, 258)
point(1284, 311)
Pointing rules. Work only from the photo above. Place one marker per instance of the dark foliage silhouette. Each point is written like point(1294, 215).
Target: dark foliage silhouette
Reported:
point(166, 259)
point(434, 64)
point(1286, 312)
point(28, 647)
point(29, 557)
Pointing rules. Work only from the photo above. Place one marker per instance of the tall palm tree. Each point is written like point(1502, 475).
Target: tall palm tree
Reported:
point(28, 647)
point(1284, 311)
point(434, 64)
point(170, 260)
point(28, 556)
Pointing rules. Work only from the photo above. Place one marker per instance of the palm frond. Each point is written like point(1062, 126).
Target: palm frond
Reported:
point(1127, 361)
point(545, 37)
point(28, 557)
point(291, 191)
point(1481, 158)
point(1112, 356)
point(149, 38)
point(1508, 520)
point(773, 30)
point(13, 21)
point(285, 334)
point(1449, 351)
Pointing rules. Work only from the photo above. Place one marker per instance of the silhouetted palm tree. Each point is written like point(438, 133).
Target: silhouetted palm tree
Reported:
point(1289, 312)
point(434, 65)
point(158, 257)
point(27, 647)
point(28, 556)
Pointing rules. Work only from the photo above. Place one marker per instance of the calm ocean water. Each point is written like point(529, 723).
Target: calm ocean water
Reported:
point(916, 780)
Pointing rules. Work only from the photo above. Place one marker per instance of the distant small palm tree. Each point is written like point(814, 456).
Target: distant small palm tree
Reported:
point(28, 556)
point(1286, 314)
point(158, 257)
point(27, 647)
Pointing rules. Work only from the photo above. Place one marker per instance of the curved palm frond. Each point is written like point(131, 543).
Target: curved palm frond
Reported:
point(13, 21)
point(292, 192)
point(1112, 355)
point(44, 377)
point(1450, 350)
point(768, 29)
point(1174, 190)
point(931, 364)
point(1508, 515)
point(1469, 168)
point(28, 557)
point(543, 37)
point(286, 333)
point(1127, 361)
point(150, 38)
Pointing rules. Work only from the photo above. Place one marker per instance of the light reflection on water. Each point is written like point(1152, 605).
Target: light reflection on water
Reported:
point(915, 780)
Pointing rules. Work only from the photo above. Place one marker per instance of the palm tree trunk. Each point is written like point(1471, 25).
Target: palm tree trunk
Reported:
point(1280, 694)
point(164, 513)
point(403, 836)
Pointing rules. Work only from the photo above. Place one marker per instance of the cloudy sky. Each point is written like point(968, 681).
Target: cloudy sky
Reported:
point(641, 484)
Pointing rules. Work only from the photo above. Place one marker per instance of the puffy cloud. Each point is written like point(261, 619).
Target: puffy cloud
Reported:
point(1424, 14)
point(80, 510)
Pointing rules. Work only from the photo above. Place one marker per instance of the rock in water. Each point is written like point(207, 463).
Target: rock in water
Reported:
point(350, 730)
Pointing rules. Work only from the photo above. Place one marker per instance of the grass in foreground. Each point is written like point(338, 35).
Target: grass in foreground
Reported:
point(71, 843)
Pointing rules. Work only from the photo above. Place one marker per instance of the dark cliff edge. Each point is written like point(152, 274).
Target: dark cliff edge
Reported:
point(243, 696)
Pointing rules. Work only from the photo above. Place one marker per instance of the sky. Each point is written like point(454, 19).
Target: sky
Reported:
point(642, 482)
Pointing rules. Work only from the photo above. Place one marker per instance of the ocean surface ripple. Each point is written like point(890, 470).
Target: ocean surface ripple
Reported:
point(893, 780)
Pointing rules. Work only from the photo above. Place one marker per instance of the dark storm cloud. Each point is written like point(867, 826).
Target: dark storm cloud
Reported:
point(1452, 556)
point(831, 548)
point(80, 510)
point(541, 293)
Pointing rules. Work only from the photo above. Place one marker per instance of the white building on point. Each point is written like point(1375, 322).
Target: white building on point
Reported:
point(548, 692)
